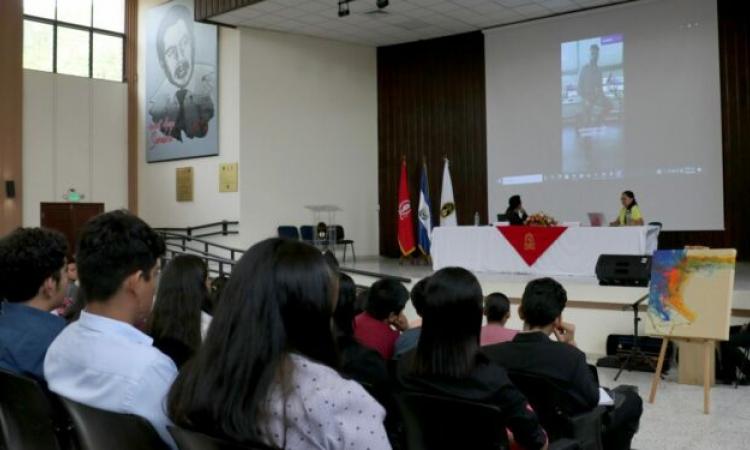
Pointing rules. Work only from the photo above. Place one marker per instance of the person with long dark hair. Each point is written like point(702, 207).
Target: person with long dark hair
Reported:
point(630, 213)
point(266, 371)
point(177, 319)
point(357, 361)
point(515, 213)
point(447, 360)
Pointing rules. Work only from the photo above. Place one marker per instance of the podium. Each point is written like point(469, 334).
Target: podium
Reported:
point(320, 212)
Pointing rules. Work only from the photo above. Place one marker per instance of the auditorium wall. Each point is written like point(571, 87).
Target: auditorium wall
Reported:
point(308, 134)
point(74, 136)
point(299, 114)
point(157, 191)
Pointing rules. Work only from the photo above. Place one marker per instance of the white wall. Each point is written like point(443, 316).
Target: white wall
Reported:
point(308, 134)
point(157, 196)
point(74, 136)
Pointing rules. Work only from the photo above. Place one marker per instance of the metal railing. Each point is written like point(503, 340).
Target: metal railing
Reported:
point(226, 229)
point(178, 240)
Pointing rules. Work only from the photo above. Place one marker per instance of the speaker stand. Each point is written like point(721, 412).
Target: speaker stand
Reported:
point(636, 355)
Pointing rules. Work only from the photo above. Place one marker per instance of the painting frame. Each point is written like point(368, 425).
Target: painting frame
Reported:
point(181, 106)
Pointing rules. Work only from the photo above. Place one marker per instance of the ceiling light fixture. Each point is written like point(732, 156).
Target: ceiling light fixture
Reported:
point(343, 8)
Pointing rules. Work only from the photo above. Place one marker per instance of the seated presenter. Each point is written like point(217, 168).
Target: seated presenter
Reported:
point(630, 213)
point(515, 213)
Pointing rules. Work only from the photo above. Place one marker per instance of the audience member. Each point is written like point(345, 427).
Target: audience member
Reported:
point(33, 283)
point(102, 360)
point(217, 289)
point(71, 293)
point(357, 361)
point(383, 320)
point(409, 338)
point(532, 351)
point(266, 369)
point(177, 320)
point(497, 312)
point(447, 360)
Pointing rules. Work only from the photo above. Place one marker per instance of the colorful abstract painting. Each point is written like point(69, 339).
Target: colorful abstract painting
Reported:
point(691, 293)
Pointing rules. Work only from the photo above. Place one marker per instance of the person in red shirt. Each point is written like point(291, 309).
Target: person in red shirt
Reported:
point(383, 320)
point(497, 311)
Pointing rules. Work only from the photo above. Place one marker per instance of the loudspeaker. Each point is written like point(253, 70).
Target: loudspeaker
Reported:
point(623, 270)
point(10, 189)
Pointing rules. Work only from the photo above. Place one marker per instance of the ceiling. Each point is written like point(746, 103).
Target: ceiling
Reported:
point(401, 21)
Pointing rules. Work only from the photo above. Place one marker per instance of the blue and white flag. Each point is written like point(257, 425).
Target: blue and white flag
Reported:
point(423, 213)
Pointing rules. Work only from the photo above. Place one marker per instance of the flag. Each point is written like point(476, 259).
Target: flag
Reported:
point(405, 224)
point(447, 206)
point(423, 213)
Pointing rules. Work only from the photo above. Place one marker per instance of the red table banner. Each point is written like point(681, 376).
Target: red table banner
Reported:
point(531, 242)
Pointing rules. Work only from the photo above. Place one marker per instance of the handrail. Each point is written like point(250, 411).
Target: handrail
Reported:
point(374, 274)
point(224, 224)
point(185, 249)
point(206, 244)
point(207, 258)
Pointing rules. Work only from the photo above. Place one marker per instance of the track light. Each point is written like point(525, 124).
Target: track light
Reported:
point(381, 3)
point(343, 8)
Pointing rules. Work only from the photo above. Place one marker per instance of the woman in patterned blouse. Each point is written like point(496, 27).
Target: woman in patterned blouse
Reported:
point(265, 372)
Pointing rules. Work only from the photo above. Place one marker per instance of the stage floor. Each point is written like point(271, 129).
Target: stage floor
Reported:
point(596, 310)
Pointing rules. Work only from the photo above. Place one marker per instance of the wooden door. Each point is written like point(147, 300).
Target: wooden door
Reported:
point(69, 218)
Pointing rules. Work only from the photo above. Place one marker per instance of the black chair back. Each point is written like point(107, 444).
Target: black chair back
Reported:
point(192, 440)
point(27, 418)
point(433, 422)
point(502, 217)
point(288, 232)
point(307, 232)
point(554, 407)
point(96, 429)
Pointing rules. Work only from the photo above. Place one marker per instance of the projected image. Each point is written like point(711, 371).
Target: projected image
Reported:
point(592, 104)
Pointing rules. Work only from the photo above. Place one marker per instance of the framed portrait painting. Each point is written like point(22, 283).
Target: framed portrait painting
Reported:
point(181, 102)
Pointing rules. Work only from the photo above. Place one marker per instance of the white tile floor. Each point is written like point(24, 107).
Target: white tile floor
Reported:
point(676, 420)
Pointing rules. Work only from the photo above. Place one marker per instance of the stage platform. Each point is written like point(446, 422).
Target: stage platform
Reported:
point(596, 310)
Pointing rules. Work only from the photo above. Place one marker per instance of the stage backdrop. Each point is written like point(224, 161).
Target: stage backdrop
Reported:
point(444, 109)
point(181, 90)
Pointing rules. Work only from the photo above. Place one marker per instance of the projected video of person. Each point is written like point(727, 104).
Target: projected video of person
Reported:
point(593, 89)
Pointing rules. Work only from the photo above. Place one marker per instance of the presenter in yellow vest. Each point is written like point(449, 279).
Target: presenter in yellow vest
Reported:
point(630, 213)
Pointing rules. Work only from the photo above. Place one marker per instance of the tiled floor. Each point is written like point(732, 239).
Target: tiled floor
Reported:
point(676, 420)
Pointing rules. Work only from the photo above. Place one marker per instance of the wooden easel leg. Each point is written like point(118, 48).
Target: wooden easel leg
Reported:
point(708, 349)
point(659, 366)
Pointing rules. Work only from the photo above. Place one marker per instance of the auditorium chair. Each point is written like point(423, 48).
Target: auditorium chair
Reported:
point(192, 440)
point(288, 232)
point(97, 429)
point(341, 240)
point(28, 417)
point(307, 232)
point(434, 422)
point(552, 405)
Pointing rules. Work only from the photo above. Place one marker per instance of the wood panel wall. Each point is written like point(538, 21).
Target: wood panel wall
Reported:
point(11, 111)
point(431, 104)
point(205, 9)
point(131, 77)
point(431, 98)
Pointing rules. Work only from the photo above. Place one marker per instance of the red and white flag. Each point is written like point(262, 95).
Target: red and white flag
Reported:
point(405, 223)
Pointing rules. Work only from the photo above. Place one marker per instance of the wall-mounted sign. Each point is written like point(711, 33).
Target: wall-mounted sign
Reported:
point(184, 184)
point(228, 177)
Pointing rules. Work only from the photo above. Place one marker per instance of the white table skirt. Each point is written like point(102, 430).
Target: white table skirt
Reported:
point(574, 253)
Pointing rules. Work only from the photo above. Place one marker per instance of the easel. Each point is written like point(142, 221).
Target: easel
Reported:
point(708, 349)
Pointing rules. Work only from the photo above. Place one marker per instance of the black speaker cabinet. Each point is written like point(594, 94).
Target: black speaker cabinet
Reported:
point(623, 270)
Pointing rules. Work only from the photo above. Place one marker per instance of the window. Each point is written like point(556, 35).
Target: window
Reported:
point(85, 38)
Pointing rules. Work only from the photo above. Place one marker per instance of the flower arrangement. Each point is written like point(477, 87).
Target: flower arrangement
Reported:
point(541, 219)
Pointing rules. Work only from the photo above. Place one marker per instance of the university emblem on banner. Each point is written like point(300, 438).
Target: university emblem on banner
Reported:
point(529, 243)
point(447, 209)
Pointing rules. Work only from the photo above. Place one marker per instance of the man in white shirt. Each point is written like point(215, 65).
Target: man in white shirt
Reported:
point(103, 360)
